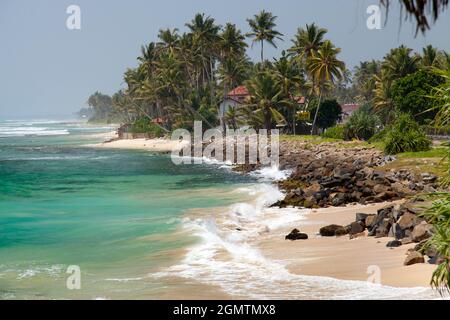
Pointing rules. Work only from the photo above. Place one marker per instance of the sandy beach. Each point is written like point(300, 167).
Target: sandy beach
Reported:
point(340, 257)
point(153, 145)
point(335, 257)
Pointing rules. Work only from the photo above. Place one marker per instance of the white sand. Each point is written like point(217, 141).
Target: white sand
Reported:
point(155, 145)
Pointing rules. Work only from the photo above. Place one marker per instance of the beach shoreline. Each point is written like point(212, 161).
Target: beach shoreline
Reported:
point(329, 257)
point(160, 145)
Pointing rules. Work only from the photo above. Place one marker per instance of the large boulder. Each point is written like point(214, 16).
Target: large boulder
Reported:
point(407, 220)
point(370, 220)
point(383, 229)
point(357, 227)
point(413, 258)
point(330, 231)
point(422, 232)
point(296, 235)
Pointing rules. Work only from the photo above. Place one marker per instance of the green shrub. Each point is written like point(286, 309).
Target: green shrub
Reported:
point(336, 132)
point(143, 125)
point(379, 136)
point(405, 135)
point(361, 125)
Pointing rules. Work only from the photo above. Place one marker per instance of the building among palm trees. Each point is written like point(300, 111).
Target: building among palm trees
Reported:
point(347, 110)
point(238, 97)
point(233, 99)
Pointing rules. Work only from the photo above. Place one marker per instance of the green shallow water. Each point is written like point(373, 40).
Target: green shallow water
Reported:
point(113, 213)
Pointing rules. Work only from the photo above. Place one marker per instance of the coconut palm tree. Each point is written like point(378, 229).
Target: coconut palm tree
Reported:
point(432, 57)
point(399, 62)
point(265, 100)
point(169, 40)
point(231, 42)
point(307, 41)
point(263, 30)
point(205, 37)
point(324, 67)
point(289, 78)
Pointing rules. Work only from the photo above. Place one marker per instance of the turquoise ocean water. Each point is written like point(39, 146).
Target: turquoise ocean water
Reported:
point(140, 227)
point(113, 213)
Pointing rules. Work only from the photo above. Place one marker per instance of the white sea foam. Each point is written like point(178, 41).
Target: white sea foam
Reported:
point(30, 131)
point(226, 258)
point(271, 173)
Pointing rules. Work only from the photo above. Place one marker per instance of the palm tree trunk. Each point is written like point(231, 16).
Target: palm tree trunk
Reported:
point(262, 51)
point(317, 112)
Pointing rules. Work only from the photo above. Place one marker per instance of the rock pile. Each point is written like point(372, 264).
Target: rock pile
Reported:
point(401, 222)
point(325, 176)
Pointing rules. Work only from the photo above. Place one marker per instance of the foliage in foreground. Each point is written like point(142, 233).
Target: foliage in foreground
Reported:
point(405, 135)
point(439, 215)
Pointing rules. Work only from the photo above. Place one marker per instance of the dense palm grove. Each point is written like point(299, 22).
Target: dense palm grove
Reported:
point(184, 76)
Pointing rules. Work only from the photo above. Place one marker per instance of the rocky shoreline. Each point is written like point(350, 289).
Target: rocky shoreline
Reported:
point(325, 175)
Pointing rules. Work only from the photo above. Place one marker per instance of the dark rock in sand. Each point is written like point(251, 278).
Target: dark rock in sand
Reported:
point(413, 258)
point(394, 244)
point(330, 231)
point(357, 227)
point(296, 235)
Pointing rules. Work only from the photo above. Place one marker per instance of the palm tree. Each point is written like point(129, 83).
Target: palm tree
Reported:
point(265, 100)
point(399, 62)
point(364, 78)
point(289, 78)
point(231, 42)
point(324, 67)
point(169, 40)
point(263, 30)
point(149, 55)
point(432, 57)
point(307, 41)
point(205, 36)
point(232, 118)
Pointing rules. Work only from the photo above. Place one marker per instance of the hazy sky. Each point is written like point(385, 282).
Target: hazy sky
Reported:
point(46, 69)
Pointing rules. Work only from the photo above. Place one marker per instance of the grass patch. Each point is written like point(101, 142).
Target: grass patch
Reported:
point(432, 153)
point(432, 161)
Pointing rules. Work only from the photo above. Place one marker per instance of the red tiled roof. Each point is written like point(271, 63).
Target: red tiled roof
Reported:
point(349, 107)
point(238, 92)
point(300, 100)
point(158, 120)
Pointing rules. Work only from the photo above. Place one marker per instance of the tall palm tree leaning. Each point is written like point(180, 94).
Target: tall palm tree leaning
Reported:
point(324, 67)
point(307, 41)
point(263, 30)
